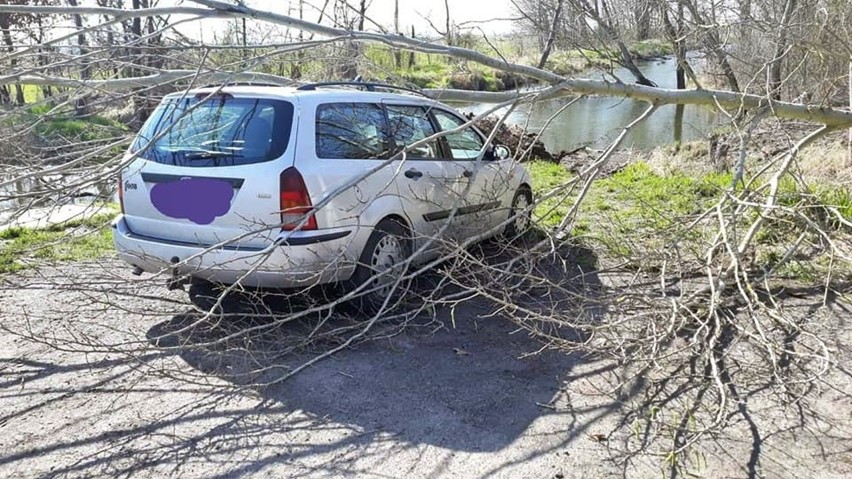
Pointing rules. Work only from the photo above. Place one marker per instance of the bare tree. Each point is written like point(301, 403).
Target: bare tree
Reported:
point(775, 65)
point(714, 44)
point(690, 308)
point(85, 69)
point(397, 54)
point(551, 37)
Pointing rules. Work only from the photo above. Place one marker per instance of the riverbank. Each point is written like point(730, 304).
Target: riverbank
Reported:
point(432, 71)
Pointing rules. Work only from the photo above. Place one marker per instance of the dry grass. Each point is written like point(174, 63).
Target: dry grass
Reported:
point(826, 164)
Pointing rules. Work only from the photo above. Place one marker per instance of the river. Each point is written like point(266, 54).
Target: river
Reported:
point(596, 121)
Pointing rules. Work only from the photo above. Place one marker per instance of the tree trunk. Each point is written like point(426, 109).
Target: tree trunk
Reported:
point(140, 98)
point(80, 107)
point(626, 57)
point(397, 53)
point(411, 58)
point(680, 74)
point(136, 33)
point(715, 45)
point(773, 86)
point(679, 47)
point(296, 67)
point(244, 39)
point(642, 16)
point(5, 25)
point(678, 125)
point(19, 94)
point(551, 36)
point(745, 20)
point(346, 68)
point(449, 24)
point(43, 61)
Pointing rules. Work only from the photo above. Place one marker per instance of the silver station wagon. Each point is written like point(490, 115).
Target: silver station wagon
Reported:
point(288, 187)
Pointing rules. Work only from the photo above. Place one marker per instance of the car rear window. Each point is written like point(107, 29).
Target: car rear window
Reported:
point(354, 131)
point(221, 131)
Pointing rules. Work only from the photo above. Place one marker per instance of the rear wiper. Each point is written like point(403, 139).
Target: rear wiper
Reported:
point(207, 155)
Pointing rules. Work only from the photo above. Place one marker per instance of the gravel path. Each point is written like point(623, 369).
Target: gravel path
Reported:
point(456, 401)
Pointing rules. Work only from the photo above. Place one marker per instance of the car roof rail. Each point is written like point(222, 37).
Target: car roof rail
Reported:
point(243, 83)
point(369, 86)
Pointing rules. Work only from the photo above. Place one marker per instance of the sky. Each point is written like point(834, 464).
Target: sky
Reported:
point(484, 14)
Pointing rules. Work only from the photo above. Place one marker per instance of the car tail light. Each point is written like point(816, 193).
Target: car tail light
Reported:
point(295, 202)
point(120, 193)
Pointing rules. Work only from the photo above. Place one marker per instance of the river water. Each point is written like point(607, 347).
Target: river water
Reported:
point(596, 121)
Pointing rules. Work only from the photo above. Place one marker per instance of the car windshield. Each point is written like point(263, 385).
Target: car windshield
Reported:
point(220, 131)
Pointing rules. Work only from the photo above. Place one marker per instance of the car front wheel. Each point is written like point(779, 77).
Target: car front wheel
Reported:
point(520, 214)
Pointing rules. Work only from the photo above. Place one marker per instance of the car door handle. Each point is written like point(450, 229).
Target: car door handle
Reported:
point(413, 174)
point(467, 173)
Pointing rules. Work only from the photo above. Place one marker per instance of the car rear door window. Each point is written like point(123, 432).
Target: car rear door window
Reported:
point(464, 145)
point(410, 124)
point(354, 131)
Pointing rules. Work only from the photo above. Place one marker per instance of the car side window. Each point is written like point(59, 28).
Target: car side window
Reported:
point(409, 124)
point(464, 145)
point(353, 131)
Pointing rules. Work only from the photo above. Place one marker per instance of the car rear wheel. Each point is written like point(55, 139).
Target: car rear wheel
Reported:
point(520, 214)
point(381, 266)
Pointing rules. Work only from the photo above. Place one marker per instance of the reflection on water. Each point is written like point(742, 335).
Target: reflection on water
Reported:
point(596, 121)
point(29, 193)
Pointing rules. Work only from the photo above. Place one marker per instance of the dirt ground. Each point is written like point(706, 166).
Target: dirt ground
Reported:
point(457, 395)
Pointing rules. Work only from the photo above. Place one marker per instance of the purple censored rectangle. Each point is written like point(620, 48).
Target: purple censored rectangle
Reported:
point(200, 200)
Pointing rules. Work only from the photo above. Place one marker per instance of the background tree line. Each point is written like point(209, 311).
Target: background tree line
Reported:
point(783, 48)
point(786, 49)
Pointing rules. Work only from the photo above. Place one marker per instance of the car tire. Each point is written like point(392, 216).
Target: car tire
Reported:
point(519, 225)
point(381, 264)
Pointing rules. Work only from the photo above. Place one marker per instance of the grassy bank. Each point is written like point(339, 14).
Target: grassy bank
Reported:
point(644, 216)
point(76, 240)
point(60, 124)
point(434, 71)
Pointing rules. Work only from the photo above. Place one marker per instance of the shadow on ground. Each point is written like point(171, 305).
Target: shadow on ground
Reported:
point(464, 379)
point(456, 391)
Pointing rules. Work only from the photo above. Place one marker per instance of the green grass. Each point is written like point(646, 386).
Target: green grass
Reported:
point(677, 194)
point(438, 74)
point(651, 48)
point(838, 198)
point(61, 125)
point(545, 177)
point(633, 212)
point(568, 62)
point(87, 129)
point(635, 194)
point(641, 216)
point(428, 75)
point(32, 93)
point(75, 240)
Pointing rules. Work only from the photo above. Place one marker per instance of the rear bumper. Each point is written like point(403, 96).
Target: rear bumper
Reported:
point(304, 259)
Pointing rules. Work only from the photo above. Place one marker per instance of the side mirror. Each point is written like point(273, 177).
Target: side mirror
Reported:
point(498, 152)
point(502, 152)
